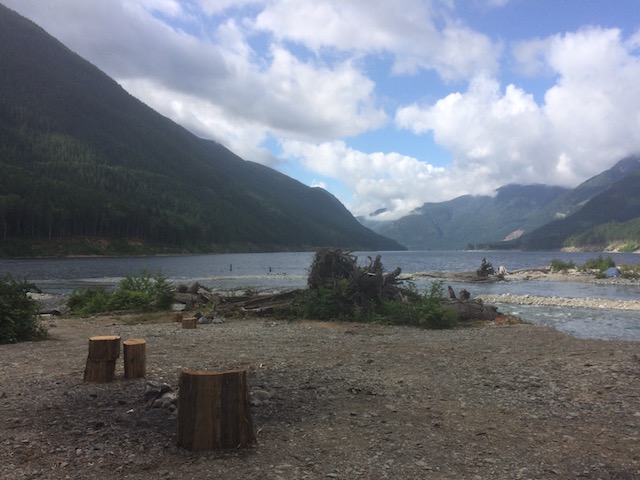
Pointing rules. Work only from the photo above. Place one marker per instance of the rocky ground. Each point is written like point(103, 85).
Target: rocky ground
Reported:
point(341, 401)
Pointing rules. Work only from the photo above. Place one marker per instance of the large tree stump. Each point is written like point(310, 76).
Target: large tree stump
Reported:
point(135, 358)
point(214, 410)
point(101, 361)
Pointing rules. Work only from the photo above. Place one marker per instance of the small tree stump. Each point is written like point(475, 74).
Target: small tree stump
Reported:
point(135, 358)
point(101, 361)
point(190, 322)
point(176, 317)
point(214, 410)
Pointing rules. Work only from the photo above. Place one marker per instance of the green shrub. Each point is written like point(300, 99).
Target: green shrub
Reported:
point(140, 292)
point(630, 271)
point(123, 299)
point(18, 313)
point(332, 301)
point(560, 266)
point(601, 264)
point(421, 310)
point(326, 302)
point(87, 301)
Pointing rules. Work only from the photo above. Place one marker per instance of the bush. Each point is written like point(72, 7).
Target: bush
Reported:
point(141, 292)
point(18, 313)
point(560, 266)
point(326, 302)
point(331, 301)
point(421, 310)
point(86, 301)
point(601, 264)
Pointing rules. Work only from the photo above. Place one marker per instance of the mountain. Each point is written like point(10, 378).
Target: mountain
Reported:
point(574, 199)
point(515, 212)
point(608, 217)
point(82, 159)
point(469, 220)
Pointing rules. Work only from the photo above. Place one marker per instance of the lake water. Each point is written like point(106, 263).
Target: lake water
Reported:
point(265, 272)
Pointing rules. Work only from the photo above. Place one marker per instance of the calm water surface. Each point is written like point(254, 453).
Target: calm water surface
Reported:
point(281, 271)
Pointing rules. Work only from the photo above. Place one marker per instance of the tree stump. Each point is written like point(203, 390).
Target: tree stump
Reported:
point(176, 317)
point(101, 361)
point(214, 410)
point(135, 358)
point(190, 322)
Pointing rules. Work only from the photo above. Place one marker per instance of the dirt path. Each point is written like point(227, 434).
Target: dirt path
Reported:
point(345, 401)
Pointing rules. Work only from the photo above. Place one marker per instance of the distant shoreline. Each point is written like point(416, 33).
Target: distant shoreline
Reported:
point(545, 275)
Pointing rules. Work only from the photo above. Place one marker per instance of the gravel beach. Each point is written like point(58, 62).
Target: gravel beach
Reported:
point(330, 400)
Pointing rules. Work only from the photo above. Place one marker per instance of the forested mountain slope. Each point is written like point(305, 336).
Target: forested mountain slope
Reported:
point(83, 159)
point(610, 216)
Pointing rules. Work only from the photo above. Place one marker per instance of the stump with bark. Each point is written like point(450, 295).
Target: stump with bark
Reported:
point(101, 360)
point(135, 358)
point(214, 410)
point(189, 322)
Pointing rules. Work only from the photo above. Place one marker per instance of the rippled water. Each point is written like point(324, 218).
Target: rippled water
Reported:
point(282, 271)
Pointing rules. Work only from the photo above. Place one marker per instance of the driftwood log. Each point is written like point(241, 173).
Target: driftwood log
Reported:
point(471, 310)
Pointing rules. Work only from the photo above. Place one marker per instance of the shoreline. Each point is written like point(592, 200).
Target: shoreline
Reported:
point(545, 276)
point(563, 302)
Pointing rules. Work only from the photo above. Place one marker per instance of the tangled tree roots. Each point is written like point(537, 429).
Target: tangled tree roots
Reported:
point(364, 285)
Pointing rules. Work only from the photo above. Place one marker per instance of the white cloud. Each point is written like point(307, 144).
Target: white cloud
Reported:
point(406, 29)
point(590, 117)
point(397, 182)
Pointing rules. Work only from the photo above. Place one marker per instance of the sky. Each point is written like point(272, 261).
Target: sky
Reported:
point(386, 104)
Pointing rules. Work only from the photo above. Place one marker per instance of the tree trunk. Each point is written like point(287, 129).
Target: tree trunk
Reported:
point(214, 410)
point(135, 358)
point(101, 361)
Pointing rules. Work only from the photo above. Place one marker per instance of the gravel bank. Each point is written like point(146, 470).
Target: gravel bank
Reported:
point(342, 401)
point(560, 302)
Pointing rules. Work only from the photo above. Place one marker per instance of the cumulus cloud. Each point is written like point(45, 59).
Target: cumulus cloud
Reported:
point(378, 180)
point(589, 117)
point(406, 29)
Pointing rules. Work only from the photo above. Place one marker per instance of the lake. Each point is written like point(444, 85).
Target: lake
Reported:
point(265, 272)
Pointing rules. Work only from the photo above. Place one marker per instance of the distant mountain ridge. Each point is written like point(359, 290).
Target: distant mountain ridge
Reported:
point(520, 216)
point(469, 220)
point(81, 158)
point(618, 204)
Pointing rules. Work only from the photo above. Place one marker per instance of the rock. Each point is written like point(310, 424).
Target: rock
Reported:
point(154, 390)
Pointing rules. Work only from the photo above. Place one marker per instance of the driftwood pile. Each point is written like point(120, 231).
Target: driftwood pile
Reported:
point(363, 285)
